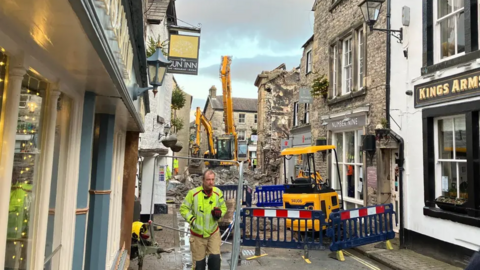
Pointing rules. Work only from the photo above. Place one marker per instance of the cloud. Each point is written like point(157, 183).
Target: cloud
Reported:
point(247, 69)
point(259, 34)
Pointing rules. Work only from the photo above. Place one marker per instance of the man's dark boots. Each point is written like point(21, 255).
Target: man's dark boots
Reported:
point(214, 262)
point(201, 265)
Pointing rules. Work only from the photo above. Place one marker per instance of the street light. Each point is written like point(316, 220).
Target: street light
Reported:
point(157, 68)
point(371, 10)
point(166, 130)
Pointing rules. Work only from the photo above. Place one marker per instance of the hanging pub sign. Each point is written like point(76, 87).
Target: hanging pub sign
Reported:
point(450, 88)
point(183, 51)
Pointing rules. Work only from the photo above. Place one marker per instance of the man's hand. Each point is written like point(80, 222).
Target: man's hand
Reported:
point(216, 213)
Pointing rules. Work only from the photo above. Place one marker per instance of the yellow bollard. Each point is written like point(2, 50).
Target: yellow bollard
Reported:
point(388, 245)
point(340, 256)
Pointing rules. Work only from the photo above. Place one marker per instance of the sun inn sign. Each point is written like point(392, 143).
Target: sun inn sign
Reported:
point(117, 29)
point(451, 88)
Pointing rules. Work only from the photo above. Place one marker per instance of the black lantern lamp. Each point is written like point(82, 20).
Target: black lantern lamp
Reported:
point(157, 68)
point(371, 10)
point(166, 130)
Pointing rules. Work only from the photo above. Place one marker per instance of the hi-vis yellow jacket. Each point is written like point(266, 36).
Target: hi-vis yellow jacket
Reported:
point(197, 209)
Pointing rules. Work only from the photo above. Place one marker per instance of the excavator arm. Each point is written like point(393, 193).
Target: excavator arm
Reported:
point(200, 119)
point(228, 102)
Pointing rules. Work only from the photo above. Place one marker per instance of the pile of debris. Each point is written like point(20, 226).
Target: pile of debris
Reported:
point(181, 184)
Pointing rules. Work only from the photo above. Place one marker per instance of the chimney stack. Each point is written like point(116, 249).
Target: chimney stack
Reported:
point(213, 92)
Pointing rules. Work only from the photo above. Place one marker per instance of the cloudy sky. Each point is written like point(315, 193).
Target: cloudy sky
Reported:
point(258, 34)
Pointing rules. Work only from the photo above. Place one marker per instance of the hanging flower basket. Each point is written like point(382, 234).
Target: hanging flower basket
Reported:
point(170, 140)
point(177, 147)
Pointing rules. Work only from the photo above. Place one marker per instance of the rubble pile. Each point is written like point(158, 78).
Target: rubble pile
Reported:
point(224, 176)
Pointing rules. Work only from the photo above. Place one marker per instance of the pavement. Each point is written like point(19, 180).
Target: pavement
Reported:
point(403, 259)
point(367, 257)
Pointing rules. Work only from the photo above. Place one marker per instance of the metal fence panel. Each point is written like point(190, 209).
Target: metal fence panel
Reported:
point(230, 192)
point(361, 226)
point(268, 227)
point(269, 196)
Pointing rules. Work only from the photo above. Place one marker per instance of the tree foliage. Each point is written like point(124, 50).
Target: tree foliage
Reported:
point(178, 99)
point(177, 123)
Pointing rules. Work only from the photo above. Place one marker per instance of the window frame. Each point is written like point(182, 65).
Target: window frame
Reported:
point(358, 163)
point(239, 137)
point(472, 122)
point(240, 118)
point(344, 66)
point(308, 64)
point(335, 70)
point(360, 58)
point(306, 114)
point(295, 114)
point(437, 36)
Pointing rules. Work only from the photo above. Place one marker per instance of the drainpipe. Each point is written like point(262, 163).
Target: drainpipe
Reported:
point(388, 60)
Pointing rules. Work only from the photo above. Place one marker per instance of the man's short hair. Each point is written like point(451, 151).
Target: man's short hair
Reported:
point(209, 171)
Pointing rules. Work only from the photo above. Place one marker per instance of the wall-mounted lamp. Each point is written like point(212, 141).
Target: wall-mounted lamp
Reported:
point(409, 92)
point(369, 145)
point(371, 10)
point(166, 130)
point(157, 68)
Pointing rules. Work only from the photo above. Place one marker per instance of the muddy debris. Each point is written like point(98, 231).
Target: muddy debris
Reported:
point(181, 184)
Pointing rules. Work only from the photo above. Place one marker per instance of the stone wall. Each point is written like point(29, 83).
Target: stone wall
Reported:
point(332, 24)
point(276, 90)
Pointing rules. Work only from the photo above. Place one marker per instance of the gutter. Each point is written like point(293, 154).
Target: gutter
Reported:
point(85, 11)
point(388, 67)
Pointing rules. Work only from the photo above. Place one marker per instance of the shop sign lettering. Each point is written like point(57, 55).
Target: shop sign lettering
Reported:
point(448, 89)
point(350, 122)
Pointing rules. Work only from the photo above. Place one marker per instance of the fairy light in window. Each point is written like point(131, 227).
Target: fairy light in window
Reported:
point(2, 49)
point(13, 257)
point(15, 243)
point(2, 63)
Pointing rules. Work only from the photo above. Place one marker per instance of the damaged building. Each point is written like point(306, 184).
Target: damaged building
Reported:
point(275, 94)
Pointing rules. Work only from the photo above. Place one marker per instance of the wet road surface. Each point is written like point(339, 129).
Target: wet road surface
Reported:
point(180, 259)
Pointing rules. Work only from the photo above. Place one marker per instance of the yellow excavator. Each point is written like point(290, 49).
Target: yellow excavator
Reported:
point(309, 191)
point(227, 144)
point(195, 165)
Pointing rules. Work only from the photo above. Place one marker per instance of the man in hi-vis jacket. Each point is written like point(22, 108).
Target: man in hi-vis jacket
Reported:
point(202, 208)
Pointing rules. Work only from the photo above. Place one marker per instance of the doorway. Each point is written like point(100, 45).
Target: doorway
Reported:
point(395, 189)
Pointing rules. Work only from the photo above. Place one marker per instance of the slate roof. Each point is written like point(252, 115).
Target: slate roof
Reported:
point(239, 104)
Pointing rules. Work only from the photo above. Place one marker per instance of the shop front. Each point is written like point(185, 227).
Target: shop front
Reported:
point(448, 163)
point(65, 111)
point(346, 131)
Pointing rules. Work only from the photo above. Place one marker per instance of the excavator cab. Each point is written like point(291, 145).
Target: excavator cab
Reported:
point(225, 146)
point(308, 190)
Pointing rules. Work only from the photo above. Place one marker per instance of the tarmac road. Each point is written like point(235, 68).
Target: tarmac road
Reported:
point(276, 258)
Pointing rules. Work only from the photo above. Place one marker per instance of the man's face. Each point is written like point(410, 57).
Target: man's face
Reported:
point(209, 181)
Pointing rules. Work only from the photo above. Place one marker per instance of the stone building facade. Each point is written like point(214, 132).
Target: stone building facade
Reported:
point(244, 112)
point(353, 59)
point(275, 93)
point(183, 135)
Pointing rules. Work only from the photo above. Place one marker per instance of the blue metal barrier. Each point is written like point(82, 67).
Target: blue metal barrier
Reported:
point(269, 196)
point(230, 192)
point(267, 227)
point(361, 226)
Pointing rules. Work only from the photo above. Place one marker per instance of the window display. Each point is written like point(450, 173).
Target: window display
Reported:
point(3, 74)
point(452, 163)
point(25, 172)
point(350, 163)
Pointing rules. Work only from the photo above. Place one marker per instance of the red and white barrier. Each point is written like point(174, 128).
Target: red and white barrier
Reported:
point(369, 211)
point(282, 213)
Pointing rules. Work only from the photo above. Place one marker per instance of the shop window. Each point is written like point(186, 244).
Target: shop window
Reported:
point(350, 164)
point(451, 152)
point(59, 177)
point(25, 175)
point(241, 118)
point(347, 65)
point(449, 28)
point(451, 155)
